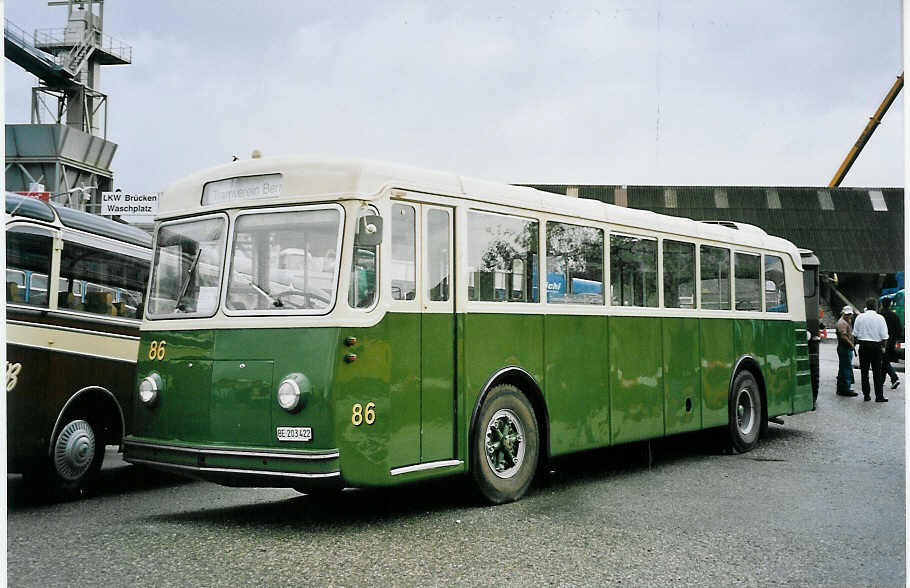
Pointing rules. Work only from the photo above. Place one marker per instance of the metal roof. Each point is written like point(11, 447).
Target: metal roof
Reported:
point(851, 230)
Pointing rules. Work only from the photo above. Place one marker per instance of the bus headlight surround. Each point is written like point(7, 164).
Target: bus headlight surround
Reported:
point(149, 388)
point(293, 392)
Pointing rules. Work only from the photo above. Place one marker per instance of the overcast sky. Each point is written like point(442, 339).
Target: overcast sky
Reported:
point(631, 92)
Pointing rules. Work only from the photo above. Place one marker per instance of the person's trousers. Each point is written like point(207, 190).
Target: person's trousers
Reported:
point(844, 369)
point(870, 356)
point(888, 369)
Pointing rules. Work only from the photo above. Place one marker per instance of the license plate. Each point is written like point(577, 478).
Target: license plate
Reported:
point(295, 434)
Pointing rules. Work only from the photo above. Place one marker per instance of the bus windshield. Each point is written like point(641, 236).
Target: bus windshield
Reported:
point(285, 261)
point(186, 273)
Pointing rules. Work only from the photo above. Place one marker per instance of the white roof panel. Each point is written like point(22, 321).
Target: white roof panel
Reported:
point(313, 179)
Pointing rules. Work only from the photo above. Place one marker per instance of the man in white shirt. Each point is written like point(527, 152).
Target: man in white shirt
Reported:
point(871, 332)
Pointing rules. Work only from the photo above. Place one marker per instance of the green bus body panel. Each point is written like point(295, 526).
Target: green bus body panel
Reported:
point(802, 396)
point(577, 391)
point(781, 369)
point(637, 395)
point(682, 376)
point(242, 397)
point(437, 391)
point(493, 342)
point(605, 379)
point(716, 344)
point(208, 398)
point(386, 373)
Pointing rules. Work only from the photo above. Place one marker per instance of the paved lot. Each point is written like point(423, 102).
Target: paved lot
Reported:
point(819, 502)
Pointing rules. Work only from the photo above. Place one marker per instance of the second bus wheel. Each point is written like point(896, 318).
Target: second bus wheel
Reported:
point(745, 412)
point(505, 445)
point(74, 463)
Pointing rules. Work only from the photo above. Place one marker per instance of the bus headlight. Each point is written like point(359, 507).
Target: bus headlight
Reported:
point(292, 392)
point(149, 388)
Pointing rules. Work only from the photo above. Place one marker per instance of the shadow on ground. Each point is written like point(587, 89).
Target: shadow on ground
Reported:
point(113, 481)
point(324, 512)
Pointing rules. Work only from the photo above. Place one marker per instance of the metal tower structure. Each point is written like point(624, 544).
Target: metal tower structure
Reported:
point(65, 148)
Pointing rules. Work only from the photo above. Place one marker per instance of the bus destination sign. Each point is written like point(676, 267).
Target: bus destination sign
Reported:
point(243, 188)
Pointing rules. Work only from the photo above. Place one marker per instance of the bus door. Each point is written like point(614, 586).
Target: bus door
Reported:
point(421, 317)
point(437, 335)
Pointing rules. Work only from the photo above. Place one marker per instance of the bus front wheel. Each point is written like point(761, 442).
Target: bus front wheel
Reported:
point(74, 463)
point(745, 412)
point(505, 445)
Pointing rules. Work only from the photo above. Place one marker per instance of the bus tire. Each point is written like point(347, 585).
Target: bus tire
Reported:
point(505, 446)
point(745, 412)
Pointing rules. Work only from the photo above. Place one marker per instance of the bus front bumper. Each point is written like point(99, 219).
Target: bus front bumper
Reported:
point(239, 467)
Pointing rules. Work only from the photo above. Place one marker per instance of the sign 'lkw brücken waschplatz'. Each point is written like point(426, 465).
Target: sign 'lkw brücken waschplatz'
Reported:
point(129, 203)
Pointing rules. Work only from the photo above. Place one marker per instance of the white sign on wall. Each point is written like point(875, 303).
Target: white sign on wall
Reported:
point(129, 203)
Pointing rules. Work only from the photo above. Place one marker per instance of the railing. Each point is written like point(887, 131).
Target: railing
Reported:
point(20, 37)
point(106, 43)
point(12, 30)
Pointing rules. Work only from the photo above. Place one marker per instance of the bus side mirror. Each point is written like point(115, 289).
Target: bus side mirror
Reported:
point(369, 231)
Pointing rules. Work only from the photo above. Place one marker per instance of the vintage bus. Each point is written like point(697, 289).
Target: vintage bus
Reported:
point(433, 325)
point(75, 285)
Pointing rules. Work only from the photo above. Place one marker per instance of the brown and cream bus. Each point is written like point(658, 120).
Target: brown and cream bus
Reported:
point(75, 285)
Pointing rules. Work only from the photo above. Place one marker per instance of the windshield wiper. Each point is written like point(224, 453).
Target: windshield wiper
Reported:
point(274, 299)
point(186, 281)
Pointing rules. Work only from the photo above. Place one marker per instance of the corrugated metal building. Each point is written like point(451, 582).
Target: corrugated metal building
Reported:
point(857, 233)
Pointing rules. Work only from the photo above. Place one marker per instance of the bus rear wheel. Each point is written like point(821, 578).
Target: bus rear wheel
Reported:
point(745, 412)
point(505, 446)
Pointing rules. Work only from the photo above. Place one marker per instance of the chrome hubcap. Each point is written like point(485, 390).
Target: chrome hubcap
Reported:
point(74, 450)
point(745, 412)
point(505, 447)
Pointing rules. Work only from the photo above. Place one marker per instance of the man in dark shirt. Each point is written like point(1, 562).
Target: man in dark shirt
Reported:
point(894, 330)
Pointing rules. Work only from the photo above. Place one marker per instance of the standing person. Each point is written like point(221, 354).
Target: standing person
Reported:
point(894, 331)
point(871, 331)
point(845, 351)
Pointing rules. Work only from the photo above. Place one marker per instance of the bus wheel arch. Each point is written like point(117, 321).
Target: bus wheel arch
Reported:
point(525, 382)
point(747, 405)
point(91, 419)
point(511, 398)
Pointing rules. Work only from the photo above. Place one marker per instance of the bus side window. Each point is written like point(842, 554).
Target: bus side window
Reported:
point(28, 261)
point(633, 271)
point(747, 269)
point(437, 252)
point(575, 264)
point(715, 278)
point(679, 274)
point(495, 243)
point(364, 275)
point(775, 285)
point(404, 256)
point(101, 282)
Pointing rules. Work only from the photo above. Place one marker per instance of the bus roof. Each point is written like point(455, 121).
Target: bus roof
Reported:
point(306, 179)
point(24, 206)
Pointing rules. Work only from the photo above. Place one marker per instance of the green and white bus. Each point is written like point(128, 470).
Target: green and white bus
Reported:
point(318, 324)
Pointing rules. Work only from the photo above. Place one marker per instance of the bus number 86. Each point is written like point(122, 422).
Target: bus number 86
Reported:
point(360, 415)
